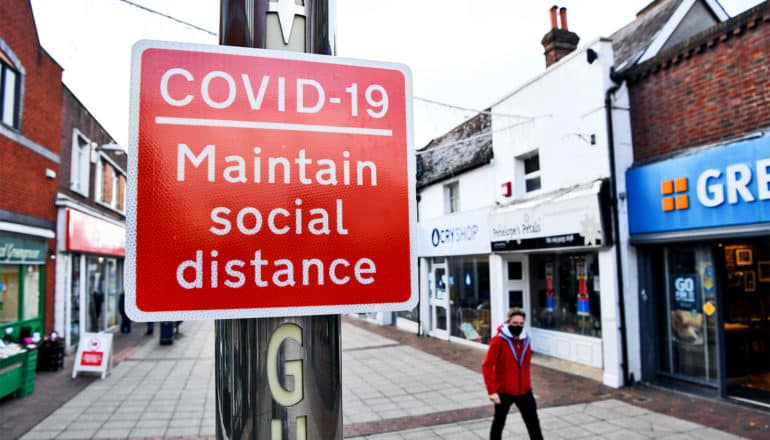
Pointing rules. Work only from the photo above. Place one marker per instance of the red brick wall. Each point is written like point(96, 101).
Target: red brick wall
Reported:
point(710, 88)
point(24, 188)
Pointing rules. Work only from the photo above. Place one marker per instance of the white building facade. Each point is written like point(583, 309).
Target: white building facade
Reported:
point(552, 232)
point(544, 169)
point(531, 227)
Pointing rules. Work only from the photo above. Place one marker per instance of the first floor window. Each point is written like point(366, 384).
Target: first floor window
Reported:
point(451, 198)
point(9, 93)
point(112, 186)
point(80, 165)
point(532, 173)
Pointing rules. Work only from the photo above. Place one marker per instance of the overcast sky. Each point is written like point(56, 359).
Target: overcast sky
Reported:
point(465, 53)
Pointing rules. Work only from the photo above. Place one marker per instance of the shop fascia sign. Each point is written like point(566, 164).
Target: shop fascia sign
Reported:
point(90, 234)
point(268, 183)
point(720, 186)
point(456, 234)
point(16, 250)
point(569, 219)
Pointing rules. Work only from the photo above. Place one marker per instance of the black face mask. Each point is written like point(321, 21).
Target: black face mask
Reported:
point(515, 329)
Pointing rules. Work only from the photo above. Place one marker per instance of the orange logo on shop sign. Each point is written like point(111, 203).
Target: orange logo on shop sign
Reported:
point(267, 183)
point(674, 194)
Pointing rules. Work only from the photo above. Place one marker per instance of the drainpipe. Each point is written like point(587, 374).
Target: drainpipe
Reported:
point(419, 278)
point(617, 82)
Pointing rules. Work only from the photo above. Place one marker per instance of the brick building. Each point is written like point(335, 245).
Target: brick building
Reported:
point(91, 219)
point(30, 124)
point(699, 208)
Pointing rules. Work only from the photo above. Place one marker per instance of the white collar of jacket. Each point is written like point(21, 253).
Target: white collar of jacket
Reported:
point(504, 330)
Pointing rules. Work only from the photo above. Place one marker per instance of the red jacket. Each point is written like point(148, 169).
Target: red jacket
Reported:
point(502, 373)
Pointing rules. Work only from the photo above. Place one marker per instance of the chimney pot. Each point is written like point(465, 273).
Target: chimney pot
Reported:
point(563, 16)
point(558, 42)
point(554, 25)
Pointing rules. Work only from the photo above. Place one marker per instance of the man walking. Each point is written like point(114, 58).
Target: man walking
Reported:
point(506, 370)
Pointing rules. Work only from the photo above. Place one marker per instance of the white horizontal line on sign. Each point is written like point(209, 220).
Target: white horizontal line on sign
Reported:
point(166, 120)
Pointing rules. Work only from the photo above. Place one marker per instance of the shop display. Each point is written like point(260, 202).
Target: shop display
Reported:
point(17, 369)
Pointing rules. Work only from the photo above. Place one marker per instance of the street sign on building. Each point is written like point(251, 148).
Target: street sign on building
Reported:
point(267, 183)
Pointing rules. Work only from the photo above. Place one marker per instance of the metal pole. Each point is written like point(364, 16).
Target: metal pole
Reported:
point(278, 378)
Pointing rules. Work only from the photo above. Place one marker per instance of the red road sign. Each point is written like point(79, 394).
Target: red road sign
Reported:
point(265, 183)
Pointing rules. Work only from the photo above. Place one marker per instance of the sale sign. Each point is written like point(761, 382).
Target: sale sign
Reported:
point(94, 354)
point(265, 183)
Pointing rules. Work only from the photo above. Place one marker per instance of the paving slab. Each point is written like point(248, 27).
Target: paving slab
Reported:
point(395, 385)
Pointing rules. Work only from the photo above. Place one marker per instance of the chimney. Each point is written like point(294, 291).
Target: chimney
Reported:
point(559, 41)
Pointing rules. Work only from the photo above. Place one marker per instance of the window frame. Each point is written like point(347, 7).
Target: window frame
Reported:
point(532, 175)
point(117, 172)
point(521, 177)
point(7, 66)
point(80, 164)
point(452, 197)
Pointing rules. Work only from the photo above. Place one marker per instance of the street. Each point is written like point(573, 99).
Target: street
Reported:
point(395, 386)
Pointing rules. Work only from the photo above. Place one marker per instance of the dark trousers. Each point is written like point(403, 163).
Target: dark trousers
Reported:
point(125, 324)
point(528, 409)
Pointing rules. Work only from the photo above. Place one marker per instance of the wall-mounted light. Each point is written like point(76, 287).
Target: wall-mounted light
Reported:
point(591, 56)
point(587, 138)
point(96, 148)
point(118, 149)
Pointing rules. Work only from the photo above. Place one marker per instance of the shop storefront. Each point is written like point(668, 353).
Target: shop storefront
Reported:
point(554, 260)
point(22, 304)
point(701, 225)
point(90, 262)
point(22, 283)
point(454, 277)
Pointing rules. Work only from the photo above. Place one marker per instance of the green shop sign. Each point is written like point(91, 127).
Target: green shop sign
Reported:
point(21, 250)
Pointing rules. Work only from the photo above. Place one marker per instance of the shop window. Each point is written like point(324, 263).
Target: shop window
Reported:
point(469, 298)
point(103, 286)
point(746, 306)
point(75, 300)
point(112, 288)
point(31, 292)
point(10, 91)
point(111, 187)
point(80, 165)
point(690, 346)
point(451, 198)
point(19, 292)
point(9, 293)
point(564, 290)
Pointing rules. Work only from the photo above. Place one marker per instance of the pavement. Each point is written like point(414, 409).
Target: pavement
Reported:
point(396, 385)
